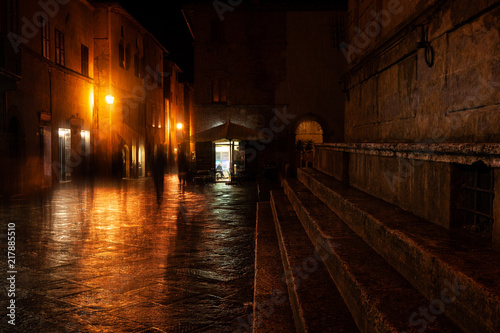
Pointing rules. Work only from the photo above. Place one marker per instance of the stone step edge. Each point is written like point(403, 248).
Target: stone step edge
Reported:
point(336, 302)
point(271, 311)
point(294, 300)
point(370, 315)
point(486, 305)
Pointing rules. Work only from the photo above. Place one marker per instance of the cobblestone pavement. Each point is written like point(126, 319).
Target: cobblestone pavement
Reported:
point(109, 259)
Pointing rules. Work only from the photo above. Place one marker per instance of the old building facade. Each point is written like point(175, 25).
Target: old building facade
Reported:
point(49, 113)
point(81, 94)
point(129, 67)
point(257, 66)
point(179, 113)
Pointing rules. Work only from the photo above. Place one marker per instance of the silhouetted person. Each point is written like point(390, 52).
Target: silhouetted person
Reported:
point(219, 171)
point(182, 167)
point(159, 172)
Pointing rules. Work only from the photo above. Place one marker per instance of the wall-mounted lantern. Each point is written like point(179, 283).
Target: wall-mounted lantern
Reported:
point(110, 99)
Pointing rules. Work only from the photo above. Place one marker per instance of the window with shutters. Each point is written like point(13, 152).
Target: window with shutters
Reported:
point(85, 60)
point(45, 38)
point(60, 48)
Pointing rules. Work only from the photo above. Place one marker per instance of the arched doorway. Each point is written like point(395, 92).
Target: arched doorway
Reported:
point(309, 130)
point(307, 133)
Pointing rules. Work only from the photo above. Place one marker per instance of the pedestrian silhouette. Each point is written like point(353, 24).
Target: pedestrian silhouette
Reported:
point(159, 163)
point(182, 167)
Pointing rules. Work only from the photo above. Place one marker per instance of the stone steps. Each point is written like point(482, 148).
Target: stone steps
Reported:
point(434, 260)
point(316, 303)
point(272, 311)
point(378, 297)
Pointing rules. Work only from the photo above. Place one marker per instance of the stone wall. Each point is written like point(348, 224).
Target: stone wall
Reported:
point(249, 55)
point(395, 96)
point(496, 211)
point(415, 177)
point(421, 74)
point(422, 190)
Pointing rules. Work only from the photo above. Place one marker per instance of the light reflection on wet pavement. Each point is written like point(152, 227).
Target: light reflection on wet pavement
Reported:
point(109, 259)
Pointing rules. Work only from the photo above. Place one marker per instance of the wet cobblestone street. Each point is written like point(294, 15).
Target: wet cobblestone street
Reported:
point(109, 259)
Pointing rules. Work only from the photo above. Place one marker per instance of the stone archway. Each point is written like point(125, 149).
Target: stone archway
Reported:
point(309, 130)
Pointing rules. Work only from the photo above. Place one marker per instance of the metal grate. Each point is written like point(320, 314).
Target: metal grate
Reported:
point(476, 199)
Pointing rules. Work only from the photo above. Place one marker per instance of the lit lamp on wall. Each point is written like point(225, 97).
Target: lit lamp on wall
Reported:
point(180, 132)
point(110, 99)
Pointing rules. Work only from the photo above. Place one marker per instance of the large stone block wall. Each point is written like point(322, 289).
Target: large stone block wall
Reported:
point(397, 97)
point(496, 211)
point(365, 35)
point(332, 163)
point(422, 188)
point(419, 178)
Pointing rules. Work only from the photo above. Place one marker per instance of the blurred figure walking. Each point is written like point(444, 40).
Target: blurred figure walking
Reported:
point(182, 167)
point(160, 160)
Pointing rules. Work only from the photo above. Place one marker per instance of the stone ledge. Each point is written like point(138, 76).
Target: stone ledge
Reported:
point(462, 153)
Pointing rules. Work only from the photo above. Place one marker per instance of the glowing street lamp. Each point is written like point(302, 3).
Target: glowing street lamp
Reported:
point(110, 99)
point(179, 126)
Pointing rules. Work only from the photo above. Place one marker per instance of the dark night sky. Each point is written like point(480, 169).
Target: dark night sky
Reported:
point(165, 21)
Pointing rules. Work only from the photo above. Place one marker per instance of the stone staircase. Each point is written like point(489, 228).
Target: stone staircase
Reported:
point(355, 263)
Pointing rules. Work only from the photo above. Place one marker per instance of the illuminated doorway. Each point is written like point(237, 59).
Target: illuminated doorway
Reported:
point(222, 161)
point(142, 159)
point(227, 158)
point(65, 154)
point(309, 130)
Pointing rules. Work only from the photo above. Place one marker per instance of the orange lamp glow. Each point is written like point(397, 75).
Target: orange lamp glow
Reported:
point(110, 99)
point(179, 126)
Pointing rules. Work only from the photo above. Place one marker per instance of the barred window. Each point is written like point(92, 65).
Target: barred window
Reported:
point(475, 195)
